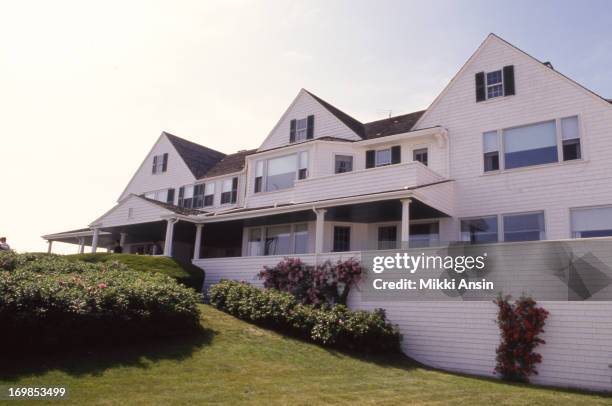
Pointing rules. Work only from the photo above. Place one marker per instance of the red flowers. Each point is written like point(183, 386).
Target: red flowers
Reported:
point(520, 325)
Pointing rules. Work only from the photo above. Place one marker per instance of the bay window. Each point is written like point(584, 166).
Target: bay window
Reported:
point(591, 222)
point(280, 173)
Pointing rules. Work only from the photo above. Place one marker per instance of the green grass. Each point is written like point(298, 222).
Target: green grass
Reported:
point(234, 362)
point(186, 274)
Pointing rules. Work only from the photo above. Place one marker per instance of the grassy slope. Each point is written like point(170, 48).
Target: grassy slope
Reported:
point(235, 362)
point(187, 274)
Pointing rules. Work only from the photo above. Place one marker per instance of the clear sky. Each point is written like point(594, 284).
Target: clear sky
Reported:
point(87, 87)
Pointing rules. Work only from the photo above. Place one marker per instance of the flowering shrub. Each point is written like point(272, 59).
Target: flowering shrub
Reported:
point(336, 326)
point(324, 284)
point(520, 324)
point(48, 302)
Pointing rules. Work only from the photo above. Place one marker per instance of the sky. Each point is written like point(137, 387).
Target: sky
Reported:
point(86, 87)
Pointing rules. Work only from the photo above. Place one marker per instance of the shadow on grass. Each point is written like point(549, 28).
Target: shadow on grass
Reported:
point(94, 360)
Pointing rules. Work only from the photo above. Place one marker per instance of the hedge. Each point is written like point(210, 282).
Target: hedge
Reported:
point(335, 326)
point(48, 302)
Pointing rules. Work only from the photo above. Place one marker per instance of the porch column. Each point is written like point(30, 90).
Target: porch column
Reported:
point(319, 231)
point(81, 245)
point(169, 237)
point(50, 245)
point(198, 241)
point(94, 240)
point(122, 238)
point(406, 222)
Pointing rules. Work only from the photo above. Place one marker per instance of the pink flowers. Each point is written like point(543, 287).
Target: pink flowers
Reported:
point(103, 286)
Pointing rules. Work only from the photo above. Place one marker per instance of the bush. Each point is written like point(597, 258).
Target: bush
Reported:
point(336, 327)
point(520, 324)
point(48, 302)
point(185, 273)
point(324, 284)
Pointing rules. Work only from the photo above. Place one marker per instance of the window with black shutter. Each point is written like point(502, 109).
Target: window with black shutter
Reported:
point(292, 128)
point(160, 163)
point(181, 196)
point(396, 154)
point(497, 83)
point(170, 196)
point(209, 194)
point(234, 190)
point(198, 196)
point(342, 239)
point(508, 80)
point(370, 159)
point(165, 162)
point(154, 171)
point(226, 191)
point(310, 127)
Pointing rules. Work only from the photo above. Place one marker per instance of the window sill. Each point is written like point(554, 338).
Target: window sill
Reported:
point(496, 99)
point(532, 167)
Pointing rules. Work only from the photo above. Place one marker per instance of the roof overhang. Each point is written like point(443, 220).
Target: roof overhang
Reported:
point(439, 133)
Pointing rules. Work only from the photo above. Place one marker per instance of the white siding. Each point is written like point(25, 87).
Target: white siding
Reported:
point(541, 94)
point(325, 123)
point(142, 212)
point(176, 175)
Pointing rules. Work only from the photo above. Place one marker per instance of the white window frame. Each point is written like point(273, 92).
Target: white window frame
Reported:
point(502, 231)
point(559, 139)
point(301, 134)
point(264, 167)
point(500, 83)
point(498, 221)
point(159, 164)
point(376, 163)
point(571, 220)
point(224, 182)
point(335, 154)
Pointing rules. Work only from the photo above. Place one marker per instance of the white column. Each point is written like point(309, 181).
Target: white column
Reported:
point(405, 223)
point(169, 237)
point(50, 244)
point(81, 245)
point(198, 241)
point(319, 231)
point(122, 238)
point(94, 240)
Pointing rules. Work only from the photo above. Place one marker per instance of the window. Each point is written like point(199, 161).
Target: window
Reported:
point(301, 129)
point(280, 173)
point(259, 166)
point(343, 163)
point(491, 151)
point(300, 239)
point(524, 227)
point(278, 240)
point(185, 198)
point(170, 196)
point(479, 230)
point(228, 193)
point(303, 169)
point(209, 194)
point(420, 155)
point(570, 136)
point(164, 195)
point(254, 242)
point(591, 222)
point(534, 144)
point(424, 234)
point(387, 237)
point(198, 196)
point(160, 163)
point(383, 157)
point(495, 86)
point(342, 239)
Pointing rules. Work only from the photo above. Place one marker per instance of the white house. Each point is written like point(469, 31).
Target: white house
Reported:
point(511, 150)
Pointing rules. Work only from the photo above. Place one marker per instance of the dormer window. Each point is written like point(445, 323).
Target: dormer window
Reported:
point(301, 129)
point(160, 163)
point(497, 83)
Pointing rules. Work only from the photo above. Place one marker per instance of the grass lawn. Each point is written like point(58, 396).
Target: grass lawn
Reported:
point(186, 274)
point(234, 362)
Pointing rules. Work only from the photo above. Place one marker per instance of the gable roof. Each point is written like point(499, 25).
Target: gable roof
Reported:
point(229, 164)
point(198, 158)
point(349, 121)
point(391, 125)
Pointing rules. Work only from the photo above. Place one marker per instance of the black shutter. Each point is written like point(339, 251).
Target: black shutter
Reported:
point(508, 80)
point(170, 198)
point(370, 159)
point(310, 127)
point(292, 131)
point(154, 164)
point(180, 198)
point(396, 154)
point(165, 164)
point(480, 87)
point(234, 190)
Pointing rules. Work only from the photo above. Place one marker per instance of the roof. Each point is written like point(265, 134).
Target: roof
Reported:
point(391, 125)
point(229, 164)
point(198, 158)
point(349, 121)
point(176, 209)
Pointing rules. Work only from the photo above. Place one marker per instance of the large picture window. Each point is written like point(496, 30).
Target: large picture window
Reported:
point(280, 173)
point(592, 222)
point(277, 240)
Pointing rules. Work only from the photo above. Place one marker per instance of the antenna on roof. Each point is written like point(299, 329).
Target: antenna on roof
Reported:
point(387, 112)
